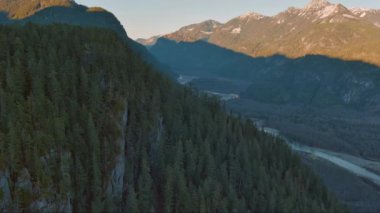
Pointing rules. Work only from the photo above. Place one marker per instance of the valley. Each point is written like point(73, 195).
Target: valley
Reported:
point(183, 80)
point(261, 113)
point(325, 138)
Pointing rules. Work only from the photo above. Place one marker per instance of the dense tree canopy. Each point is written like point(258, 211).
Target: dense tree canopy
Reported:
point(75, 104)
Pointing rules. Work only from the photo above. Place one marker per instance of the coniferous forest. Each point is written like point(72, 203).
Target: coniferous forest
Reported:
point(87, 126)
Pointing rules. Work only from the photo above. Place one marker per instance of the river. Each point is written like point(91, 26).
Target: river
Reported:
point(350, 163)
point(343, 163)
point(353, 164)
point(183, 79)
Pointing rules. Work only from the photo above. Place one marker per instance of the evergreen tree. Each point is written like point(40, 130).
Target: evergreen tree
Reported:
point(145, 193)
point(132, 206)
point(74, 101)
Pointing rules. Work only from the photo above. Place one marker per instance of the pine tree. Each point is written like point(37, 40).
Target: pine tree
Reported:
point(145, 193)
point(169, 190)
point(62, 90)
point(96, 177)
point(132, 204)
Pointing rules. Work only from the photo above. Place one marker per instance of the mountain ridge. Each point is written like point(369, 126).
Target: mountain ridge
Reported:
point(47, 12)
point(320, 28)
point(19, 9)
point(189, 33)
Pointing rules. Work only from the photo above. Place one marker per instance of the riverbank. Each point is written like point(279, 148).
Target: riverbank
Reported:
point(349, 163)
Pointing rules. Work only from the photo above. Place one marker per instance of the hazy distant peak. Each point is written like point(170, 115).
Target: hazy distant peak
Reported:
point(361, 11)
point(150, 41)
point(253, 15)
point(212, 23)
point(293, 10)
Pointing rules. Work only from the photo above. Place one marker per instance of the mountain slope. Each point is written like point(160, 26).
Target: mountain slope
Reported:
point(85, 125)
point(69, 12)
point(320, 28)
point(194, 32)
point(313, 100)
point(310, 80)
point(148, 42)
point(370, 15)
point(19, 9)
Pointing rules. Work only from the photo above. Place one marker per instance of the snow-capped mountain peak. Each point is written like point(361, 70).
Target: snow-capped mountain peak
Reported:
point(328, 11)
point(322, 9)
point(309, 28)
point(317, 5)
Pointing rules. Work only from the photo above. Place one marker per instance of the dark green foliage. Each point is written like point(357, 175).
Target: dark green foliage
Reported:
point(73, 100)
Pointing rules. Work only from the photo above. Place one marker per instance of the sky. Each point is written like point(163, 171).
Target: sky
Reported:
point(146, 18)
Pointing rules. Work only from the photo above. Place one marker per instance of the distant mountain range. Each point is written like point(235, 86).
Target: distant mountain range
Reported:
point(299, 57)
point(320, 28)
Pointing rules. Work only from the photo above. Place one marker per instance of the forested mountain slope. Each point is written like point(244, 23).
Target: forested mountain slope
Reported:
point(16, 12)
point(85, 125)
point(312, 80)
point(58, 11)
point(19, 9)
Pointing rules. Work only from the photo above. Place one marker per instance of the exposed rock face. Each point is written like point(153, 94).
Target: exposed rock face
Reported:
point(62, 204)
point(23, 181)
point(116, 181)
point(317, 4)
point(194, 32)
point(46, 206)
point(190, 33)
point(24, 186)
point(5, 193)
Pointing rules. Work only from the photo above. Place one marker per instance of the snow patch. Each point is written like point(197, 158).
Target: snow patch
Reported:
point(190, 29)
point(328, 11)
point(227, 28)
point(236, 30)
point(349, 16)
point(206, 32)
point(317, 4)
point(358, 11)
point(363, 15)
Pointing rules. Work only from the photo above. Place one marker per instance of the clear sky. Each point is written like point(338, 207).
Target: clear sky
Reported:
point(145, 18)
